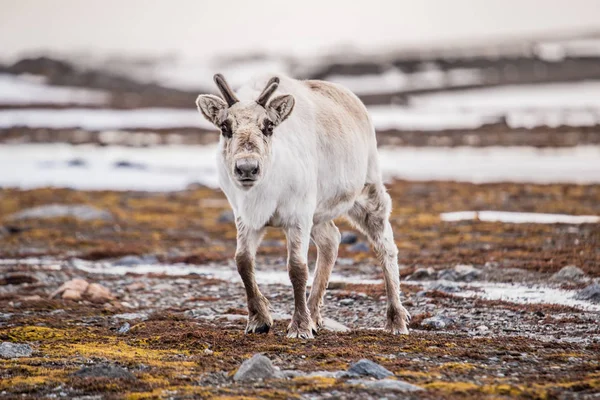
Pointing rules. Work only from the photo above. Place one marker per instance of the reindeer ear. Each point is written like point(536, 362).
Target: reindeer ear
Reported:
point(280, 108)
point(212, 107)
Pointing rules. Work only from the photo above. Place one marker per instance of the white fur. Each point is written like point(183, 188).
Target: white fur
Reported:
point(308, 168)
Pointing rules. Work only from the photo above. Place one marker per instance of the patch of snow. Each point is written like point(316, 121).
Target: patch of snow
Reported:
point(527, 294)
point(580, 164)
point(174, 167)
point(160, 168)
point(503, 99)
point(406, 118)
point(519, 217)
point(100, 120)
point(32, 90)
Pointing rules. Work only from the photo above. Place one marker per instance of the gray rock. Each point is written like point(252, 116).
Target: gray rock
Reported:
point(346, 302)
point(259, 367)
point(386, 384)
point(568, 273)
point(131, 316)
point(466, 273)
point(292, 373)
point(366, 367)
point(348, 238)
point(124, 328)
point(359, 247)
point(104, 371)
point(132, 260)
point(590, 293)
point(447, 287)
point(334, 326)
point(82, 212)
point(461, 272)
point(422, 274)
point(15, 350)
point(226, 217)
point(437, 322)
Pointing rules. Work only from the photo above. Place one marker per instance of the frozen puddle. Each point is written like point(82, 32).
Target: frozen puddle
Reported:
point(518, 217)
point(174, 167)
point(522, 294)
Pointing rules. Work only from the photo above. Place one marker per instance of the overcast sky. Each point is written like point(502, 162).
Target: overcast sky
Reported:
point(200, 28)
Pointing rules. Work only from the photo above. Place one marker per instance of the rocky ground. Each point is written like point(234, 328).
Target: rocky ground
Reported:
point(134, 295)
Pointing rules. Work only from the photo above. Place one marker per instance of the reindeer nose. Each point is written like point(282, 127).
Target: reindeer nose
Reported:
point(246, 168)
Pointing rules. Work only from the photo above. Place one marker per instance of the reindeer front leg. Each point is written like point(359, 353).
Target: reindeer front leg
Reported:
point(259, 318)
point(298, 238)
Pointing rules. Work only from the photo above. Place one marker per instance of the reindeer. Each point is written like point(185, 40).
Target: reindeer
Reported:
point(299, 171)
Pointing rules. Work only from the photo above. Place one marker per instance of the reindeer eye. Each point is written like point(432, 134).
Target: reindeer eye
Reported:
point(226, 129)
point(268, 128)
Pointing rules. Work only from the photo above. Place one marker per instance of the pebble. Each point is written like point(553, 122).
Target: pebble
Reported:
point(75, 287)
point(14, 350)
point(135, 286)
point(386, 384)
point(346, 302)
point(422, 274)
point(82, 212)
point(98, 293)
point(366, 367)
point(437, 322)
point(131, 316)
point(226, 217)
point(104, 371)
point(259, 367)
point(129, 261)
point(461, 272)
point(447, 287)
point(334, 326)
point(124, 328)
point(568, 273)
point(348, 238)
point(590, 293)
point(359, 247)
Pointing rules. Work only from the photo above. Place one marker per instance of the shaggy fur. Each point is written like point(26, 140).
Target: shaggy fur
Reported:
point(317, 155)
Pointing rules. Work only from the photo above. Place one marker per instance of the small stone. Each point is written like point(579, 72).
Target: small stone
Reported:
point(437, 322)
point(446, 287)
point(226, 217)
point(369, 368)
point(483, 329)
point(334, 326)
point(71, 294)
point(131, 316)
point(124, 328)
point(129, 261)
point(422, 274)
point(15, 350)
point(135, 286)
point(348, 238)
point(386, 384)
point(359, 247)
point(568, 273)
point(81, 212)
point(466, 273)
point(75, 285)
point(98, 293)
point(346, 302)
point(208, 352)
point(104, 371)
point(590, 293)
point(259, 367)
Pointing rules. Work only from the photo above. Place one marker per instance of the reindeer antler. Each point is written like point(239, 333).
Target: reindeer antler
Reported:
point(225, 90)
point(268, 91)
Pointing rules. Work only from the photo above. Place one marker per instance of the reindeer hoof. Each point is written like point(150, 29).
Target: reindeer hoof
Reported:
point(301, 331)
point(397, 322)
point(264, 328)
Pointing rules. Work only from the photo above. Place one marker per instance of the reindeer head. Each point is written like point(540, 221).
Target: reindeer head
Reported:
point(246, 128)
